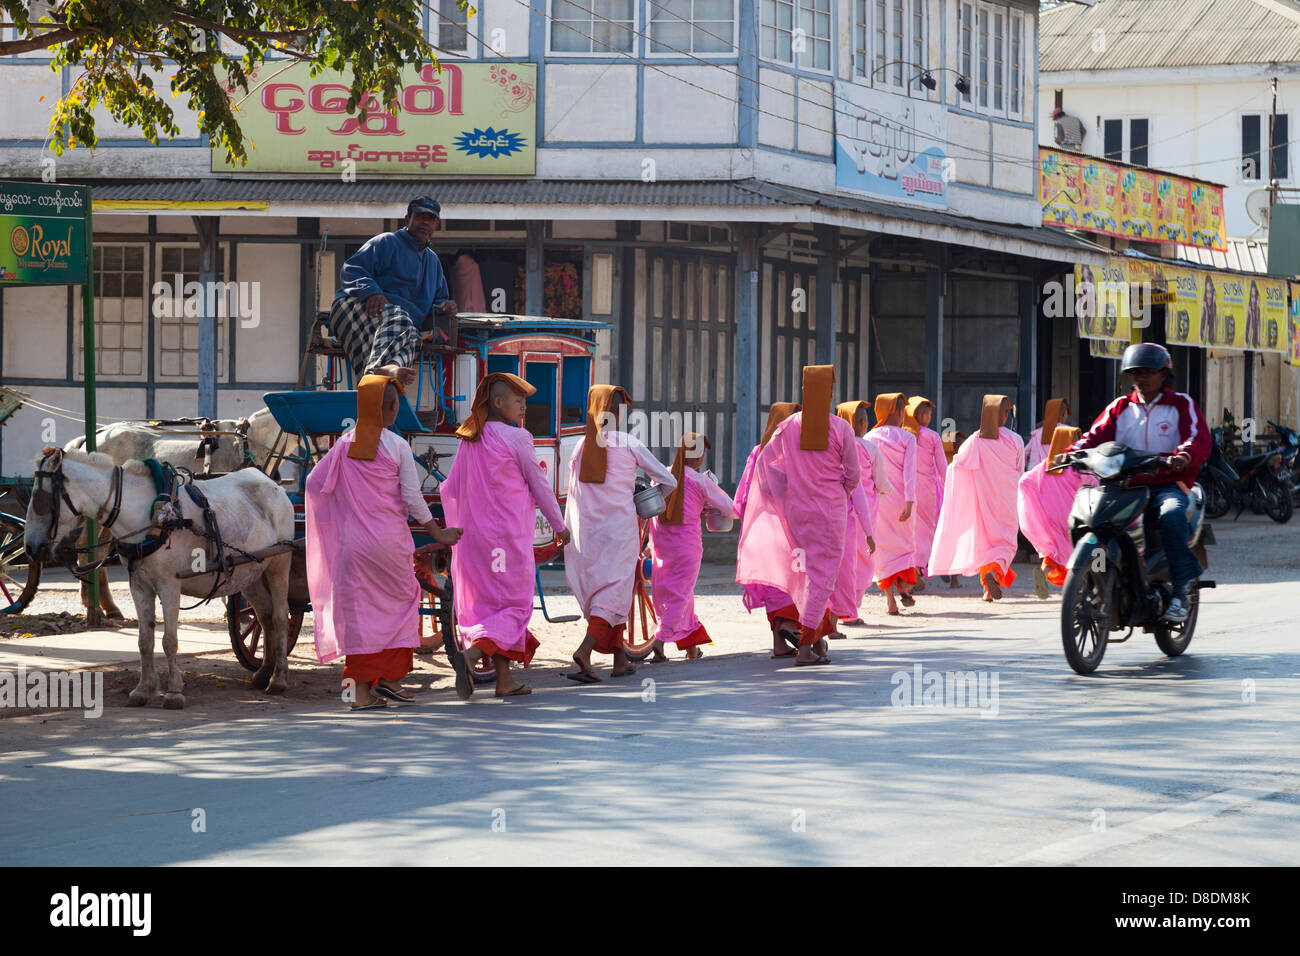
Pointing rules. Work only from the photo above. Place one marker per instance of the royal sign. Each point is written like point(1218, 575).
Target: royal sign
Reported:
point(467, 119)
point(43, 233)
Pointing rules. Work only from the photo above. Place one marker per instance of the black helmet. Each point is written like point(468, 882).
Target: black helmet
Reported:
point(1146, 355)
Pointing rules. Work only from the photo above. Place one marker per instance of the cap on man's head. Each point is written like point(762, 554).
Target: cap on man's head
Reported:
point(424, 204)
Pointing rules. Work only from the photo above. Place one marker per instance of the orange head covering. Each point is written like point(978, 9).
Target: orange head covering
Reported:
point(1063, 436)
point(600, 399)
point(818, 384)
point(849, 411)
point(370, 415)
point(472, 428)
point(693, 445)
point(1057, 408)
point(951, 442)
point(887, 404)
point(991, 414)
point(778, 413)
point(913, 406)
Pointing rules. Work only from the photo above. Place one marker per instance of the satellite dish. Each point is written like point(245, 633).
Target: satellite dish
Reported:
point(1257, 207)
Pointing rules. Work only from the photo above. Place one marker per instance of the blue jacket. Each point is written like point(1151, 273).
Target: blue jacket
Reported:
point(391, 265)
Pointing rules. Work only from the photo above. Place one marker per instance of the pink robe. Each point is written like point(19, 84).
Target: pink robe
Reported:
point(895, 539)
point(466, 287)
point(931, 468)
point(677, 550)
point(601, 557)
point(756, 595)
point(978, 523)
point(1035, 450)
point(857, 564)
point(491, 491)
point(1043, 506)
point(360, 555)
point(795, 516)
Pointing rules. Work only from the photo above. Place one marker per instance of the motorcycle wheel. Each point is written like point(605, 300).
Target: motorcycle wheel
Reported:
point(1277, 502)
point(1217, 501)
point(1172, 639)
point(1085, 616)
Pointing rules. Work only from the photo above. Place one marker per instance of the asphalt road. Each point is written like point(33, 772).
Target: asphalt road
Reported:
point(734, 759)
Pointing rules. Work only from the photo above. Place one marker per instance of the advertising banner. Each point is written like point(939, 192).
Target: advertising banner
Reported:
point(1183, 315)
point(1102, 302)
point(43, 233)
point(475, 119)
point(891, 146)
point(1293, 352)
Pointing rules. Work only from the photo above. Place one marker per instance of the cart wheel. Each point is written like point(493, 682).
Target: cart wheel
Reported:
point(246, 632)
point(484, 670)
point(638, 649)
point(19, 575)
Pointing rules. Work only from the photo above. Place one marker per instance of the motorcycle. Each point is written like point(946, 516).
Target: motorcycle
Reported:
point(1260, 482)
point(1118, 574)
point(1289, 440)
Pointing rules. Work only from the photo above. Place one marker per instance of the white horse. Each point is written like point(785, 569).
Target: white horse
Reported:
point(252, 512)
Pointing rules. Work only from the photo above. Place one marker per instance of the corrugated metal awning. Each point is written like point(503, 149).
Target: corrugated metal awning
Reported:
point(749, 200)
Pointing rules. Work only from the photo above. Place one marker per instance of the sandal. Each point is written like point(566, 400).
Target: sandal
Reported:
point(389, 694)
point(377, 704)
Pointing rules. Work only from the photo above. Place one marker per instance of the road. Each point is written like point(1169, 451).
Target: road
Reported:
point(731, 760)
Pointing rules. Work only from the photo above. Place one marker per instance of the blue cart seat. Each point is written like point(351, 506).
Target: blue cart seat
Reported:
point(308, 414)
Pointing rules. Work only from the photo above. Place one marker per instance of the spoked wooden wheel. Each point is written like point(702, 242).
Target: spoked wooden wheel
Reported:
point(636, 645)
point(246, 632)
point(19, 575)
point(435, 578)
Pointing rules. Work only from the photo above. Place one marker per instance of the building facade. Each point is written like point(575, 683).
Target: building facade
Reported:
point(738, 188)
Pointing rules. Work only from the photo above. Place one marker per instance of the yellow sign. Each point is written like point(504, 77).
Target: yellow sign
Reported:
point(1082, 192)
point(1101, 304)
point(1293, 311)
point(469, 118)
point(1183, 317)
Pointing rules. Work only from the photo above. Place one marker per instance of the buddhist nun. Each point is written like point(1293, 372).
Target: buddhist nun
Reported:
point(978, 523)
point(782, 615)
point(1057, 412)
point(895, 557)
point(677, 548)
point(857, 563)
point(793, 537)
point(931, 467)
point(601, 558)
point(1043, 506)
point(494, 486)
point(360, 555)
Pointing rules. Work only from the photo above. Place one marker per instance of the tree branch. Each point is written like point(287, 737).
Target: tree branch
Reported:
point(53, 38)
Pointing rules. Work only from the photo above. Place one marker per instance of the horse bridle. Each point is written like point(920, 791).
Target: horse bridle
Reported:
point(58, 490)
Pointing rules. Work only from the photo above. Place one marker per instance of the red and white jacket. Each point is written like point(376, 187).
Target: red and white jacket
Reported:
point(1170, 425)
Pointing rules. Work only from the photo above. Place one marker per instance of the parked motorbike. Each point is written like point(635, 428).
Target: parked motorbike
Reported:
point(1260, 482)
point(1118, 574)
point(1289, 440)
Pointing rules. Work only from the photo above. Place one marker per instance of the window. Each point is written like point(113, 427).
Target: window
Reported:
point(448, 26)
point(692, 26)
point(861, 37)
point(1116, 146)
point(797, 32)
point(178, 333)
point(991, 53)
point(896, 39)
point(576, 379)
point(539, 410)
point(120, 313)
point(592, 26)
point(1254, 161)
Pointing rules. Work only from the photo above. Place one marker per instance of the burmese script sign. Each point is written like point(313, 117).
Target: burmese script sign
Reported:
point(43, 233)
point(469, 119)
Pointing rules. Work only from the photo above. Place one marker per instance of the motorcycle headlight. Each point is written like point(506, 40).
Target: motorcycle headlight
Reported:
point(1106, 466)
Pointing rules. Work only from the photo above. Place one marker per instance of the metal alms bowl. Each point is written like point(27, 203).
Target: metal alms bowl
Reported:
point(649, 500)
point(716, 521)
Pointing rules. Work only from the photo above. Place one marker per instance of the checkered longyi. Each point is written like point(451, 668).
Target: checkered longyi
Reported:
point(389, 338)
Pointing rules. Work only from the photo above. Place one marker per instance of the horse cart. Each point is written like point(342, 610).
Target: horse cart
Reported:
point(19, 576)
point(554, 355)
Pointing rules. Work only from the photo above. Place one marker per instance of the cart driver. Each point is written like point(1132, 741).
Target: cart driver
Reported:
point(393, 289)
point(1154, 417)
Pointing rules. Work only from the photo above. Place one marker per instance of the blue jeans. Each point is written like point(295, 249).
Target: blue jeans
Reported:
point(1170, 504)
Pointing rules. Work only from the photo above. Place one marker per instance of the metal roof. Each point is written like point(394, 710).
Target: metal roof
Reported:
point(1242, 255)
point(890, 218)
point(1131, 34)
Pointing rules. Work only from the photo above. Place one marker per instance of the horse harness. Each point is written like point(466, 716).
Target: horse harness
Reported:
point(166, 514)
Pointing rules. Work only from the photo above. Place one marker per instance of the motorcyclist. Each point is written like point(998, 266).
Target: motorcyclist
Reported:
point(1154, 417)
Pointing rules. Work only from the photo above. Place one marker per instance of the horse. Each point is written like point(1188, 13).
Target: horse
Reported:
point(235, 444)
point(251, 512)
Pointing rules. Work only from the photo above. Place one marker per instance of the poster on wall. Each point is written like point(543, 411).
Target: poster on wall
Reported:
point(1183, 315)
point(1107, 348)
point(890, 146)
point(470, 118)
point(1102, 301)
point(1293, 335)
